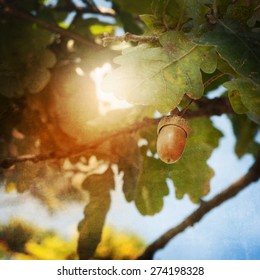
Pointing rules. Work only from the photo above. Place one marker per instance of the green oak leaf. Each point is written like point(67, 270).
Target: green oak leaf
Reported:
point(59, 16)
point(11, 85)
point(149, 135)
point(254, 117)
point(24, 67)
point(128, 21)
point(191, 174)
point(236, 103)
point(165, 15)
point(169, 13)
point(254, 18)
point(134, 6)
point(127, 152)
point(245, 131)
point(90, 228)
point(239, 13)
point(153, 23)
point(225, 68)
point(175, 14)
point(151, 186)
point(37, 71)
point(160, 76)
point(196, 10)
point(27, 175)
point(248, 92)
point(238, 47)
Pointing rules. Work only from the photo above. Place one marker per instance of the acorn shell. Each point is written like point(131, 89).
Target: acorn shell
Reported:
point(174, 120)
point(172, 134)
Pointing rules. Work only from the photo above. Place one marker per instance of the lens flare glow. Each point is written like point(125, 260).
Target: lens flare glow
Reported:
point(108, 100)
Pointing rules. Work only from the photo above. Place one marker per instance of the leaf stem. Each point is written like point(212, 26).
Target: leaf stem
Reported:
point(213, 79)
point(186, 108)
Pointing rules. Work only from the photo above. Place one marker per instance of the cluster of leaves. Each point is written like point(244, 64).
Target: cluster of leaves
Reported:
point(48, 104)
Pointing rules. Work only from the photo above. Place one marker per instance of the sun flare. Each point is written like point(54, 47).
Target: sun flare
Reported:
point(107, 100)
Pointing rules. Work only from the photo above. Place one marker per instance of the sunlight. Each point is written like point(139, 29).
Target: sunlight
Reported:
point(108, 100)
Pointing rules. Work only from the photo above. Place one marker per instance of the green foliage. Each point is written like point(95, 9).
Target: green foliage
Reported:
point(20, 240)
point(133, 6)
point(160, 76)
point(90, 229)
point(149, 193)
point(15, 235)
point(129, 161)
point(191, 174)
point(247, 92)
point(126, 19)
point(175, 14)
point(49, 108)
point(24, 66)
point(245, 131)
point(237, 46)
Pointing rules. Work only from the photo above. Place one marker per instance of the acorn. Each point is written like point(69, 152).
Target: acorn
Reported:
point(172, 135)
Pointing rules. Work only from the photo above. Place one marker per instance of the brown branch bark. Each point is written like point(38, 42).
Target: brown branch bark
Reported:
point(210, 107)
point(251, 176)
point(215, 8)
point(207, 108)
point(130, 37)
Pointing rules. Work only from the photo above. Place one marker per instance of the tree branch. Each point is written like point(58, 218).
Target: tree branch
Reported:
point(91, 4)
point(215, 8)
point(213, 79)
point(252, 175)
point(207, 108)
point(43, 24)
point(130, 37)
point(210, 107)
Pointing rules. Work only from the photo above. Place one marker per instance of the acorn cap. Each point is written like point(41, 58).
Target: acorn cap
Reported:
point(176, 121)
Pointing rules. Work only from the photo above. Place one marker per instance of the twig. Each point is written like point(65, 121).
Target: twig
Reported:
point(215, 9)
point(213, 79)
point(251, 176)
point(207, 108)
point(8, 162)
point(212, 16)
point(91, 4)
point(129, 37)
point(182, 113)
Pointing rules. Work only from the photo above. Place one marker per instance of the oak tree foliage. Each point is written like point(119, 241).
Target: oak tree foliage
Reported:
point(54, 141)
